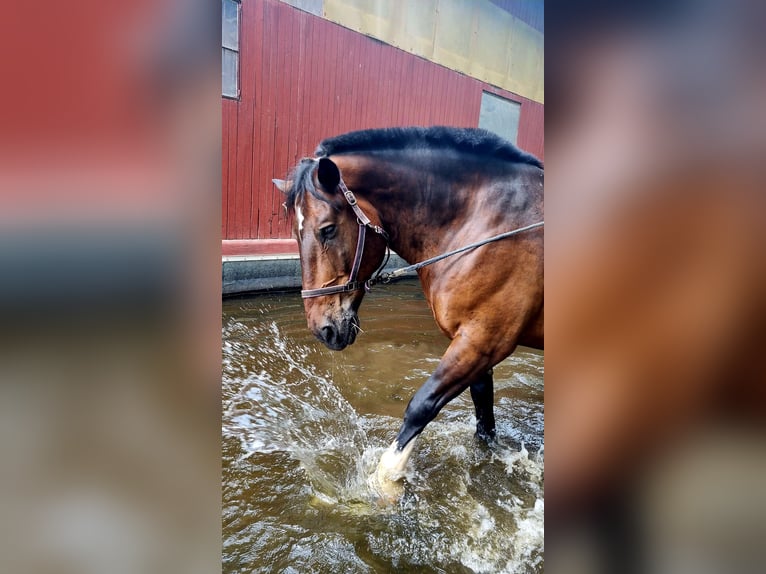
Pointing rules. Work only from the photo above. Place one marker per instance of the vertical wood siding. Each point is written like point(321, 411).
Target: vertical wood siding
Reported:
point(303, 79)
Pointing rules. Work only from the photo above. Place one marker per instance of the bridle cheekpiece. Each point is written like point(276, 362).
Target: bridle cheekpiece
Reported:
point(353, 284)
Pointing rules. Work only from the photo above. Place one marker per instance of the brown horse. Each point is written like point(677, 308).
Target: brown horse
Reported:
point(424, 192)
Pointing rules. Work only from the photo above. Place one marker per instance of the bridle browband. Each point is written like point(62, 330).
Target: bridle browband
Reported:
point(379, 277)
point(364, 223)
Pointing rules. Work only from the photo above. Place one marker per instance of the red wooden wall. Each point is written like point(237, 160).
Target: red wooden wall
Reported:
point(302, 79)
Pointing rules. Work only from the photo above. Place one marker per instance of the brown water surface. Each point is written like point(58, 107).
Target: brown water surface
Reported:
point(303, 428)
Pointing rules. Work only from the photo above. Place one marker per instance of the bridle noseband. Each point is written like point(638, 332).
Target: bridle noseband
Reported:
point(364, 222)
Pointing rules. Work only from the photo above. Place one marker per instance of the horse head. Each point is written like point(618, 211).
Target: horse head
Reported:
point(327, 231)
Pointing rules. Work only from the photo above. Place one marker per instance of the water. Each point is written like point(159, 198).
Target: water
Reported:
point(304, 427)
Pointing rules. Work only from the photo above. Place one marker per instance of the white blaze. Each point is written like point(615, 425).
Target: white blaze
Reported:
point(299, 215)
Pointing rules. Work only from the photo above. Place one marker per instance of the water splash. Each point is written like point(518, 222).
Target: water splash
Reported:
point(292, 407)
point(466, 507)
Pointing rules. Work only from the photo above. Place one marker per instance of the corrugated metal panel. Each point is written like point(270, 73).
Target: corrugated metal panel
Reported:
point(304, 79)
point(491, 42)
point(532, 128)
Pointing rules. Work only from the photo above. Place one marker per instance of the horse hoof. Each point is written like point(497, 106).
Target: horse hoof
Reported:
point(490, 438)
point(387, 491)
point(387, 480)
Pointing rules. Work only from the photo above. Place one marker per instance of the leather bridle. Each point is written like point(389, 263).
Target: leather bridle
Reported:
point(364, 223)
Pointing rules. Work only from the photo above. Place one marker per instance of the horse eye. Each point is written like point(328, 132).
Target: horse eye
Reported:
point(328, 232)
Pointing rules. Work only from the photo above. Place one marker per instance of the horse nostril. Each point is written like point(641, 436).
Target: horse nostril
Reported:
point(329, 333)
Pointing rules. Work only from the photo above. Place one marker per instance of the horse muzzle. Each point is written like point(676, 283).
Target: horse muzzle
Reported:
point(337, 334)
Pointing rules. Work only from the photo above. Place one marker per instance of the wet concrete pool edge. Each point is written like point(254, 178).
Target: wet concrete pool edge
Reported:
point(252, 274)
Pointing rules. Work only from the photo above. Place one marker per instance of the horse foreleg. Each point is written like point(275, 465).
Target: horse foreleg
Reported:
point(460, 367)
point(483, 395)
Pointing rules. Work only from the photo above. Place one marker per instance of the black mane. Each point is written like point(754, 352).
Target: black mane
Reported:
point(467, 140)
point(474, 141)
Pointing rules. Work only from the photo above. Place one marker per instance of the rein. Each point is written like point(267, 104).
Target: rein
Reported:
point(379, 277)
point(387, 277)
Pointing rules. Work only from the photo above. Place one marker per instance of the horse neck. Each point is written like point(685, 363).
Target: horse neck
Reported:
point(404, 203)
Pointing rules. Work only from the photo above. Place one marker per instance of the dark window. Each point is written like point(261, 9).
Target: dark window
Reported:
point(230, 43)
point(500, 116)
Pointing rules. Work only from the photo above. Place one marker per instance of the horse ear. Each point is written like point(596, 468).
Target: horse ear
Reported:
point(282, 185)
point(328, 174)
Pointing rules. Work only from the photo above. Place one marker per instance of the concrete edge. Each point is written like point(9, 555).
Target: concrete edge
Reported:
point(244, 274)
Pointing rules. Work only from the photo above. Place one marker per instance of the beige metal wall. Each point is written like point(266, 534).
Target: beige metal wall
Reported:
point(475, 37)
